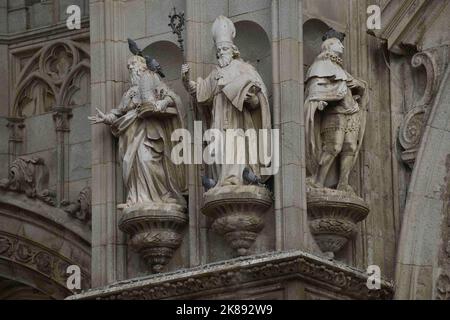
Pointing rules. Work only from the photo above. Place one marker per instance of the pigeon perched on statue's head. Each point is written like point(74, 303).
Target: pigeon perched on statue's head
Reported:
point(152, 64)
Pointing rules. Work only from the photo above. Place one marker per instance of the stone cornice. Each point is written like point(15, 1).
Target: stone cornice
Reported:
point(226, 275)
point(52, 31)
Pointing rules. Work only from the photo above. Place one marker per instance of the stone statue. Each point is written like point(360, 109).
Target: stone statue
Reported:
point(234, 96)
point(154, 213)
point(144, 137)
point(335, 109)
point(335, 118)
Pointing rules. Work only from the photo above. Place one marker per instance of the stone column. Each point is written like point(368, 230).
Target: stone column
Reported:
point(61, 117)
point(15, 126)
point(192, 56)
point(287, 63)
point(108, 54)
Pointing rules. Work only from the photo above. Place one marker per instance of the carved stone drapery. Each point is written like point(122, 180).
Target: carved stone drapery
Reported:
point(411, 129)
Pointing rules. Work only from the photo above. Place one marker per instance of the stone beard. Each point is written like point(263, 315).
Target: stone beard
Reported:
point(335, 119)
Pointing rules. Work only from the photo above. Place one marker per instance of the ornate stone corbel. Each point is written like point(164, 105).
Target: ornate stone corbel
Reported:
point(238, 213)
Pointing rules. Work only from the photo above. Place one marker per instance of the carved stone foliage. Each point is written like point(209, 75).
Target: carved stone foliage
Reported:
point(80, 209)
point(244, 271)
point(411, 129)
point(238, 213)
point(29, 175)
point(35, 257)
point(56, 75)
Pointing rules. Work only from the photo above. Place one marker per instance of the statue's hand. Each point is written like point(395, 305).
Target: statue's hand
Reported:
point(161, 105)
point(185, 69)
point(322, 105)
point(252, 99)
point(98, 118)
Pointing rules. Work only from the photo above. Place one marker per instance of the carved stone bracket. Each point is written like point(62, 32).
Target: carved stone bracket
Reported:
point(155, 231)
point(333, 216)
point(237, 213)
point(411, 129)
point(29, 175)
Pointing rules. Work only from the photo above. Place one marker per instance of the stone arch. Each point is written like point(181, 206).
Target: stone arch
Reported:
point(37, 244)
point(77, 81)
point(255, 48)
point(421, 247)
point(27, 91)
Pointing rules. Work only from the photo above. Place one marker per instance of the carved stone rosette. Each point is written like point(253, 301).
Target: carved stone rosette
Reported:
point(237, 213)
point(333, 215)
point(155, 231)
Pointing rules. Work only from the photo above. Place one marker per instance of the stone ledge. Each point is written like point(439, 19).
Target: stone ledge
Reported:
point(254, 270)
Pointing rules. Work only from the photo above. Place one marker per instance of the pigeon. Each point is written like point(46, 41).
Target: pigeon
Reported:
point(250, 177)
point(154, 66)
point(134, 48)
point(208, 183)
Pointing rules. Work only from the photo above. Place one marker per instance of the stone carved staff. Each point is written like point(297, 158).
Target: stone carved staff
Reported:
point(177, 26)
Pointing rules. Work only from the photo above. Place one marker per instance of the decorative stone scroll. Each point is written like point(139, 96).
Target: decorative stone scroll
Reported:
point(80, 209)
point(29, 175)
point(413, 124)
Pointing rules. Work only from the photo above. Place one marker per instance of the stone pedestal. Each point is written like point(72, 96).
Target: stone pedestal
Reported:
point(333, 216)
point(237, 213)
point(155, 231)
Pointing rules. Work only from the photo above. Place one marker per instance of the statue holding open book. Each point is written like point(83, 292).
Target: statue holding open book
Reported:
point(144, 120)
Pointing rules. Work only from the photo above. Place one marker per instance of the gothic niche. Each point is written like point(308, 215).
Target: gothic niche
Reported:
point(57, 75)
point(335, 117)
point(154, 212)
point(236, 197)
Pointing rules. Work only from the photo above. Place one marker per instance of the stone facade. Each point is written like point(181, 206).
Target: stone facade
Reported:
point(61, 177)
